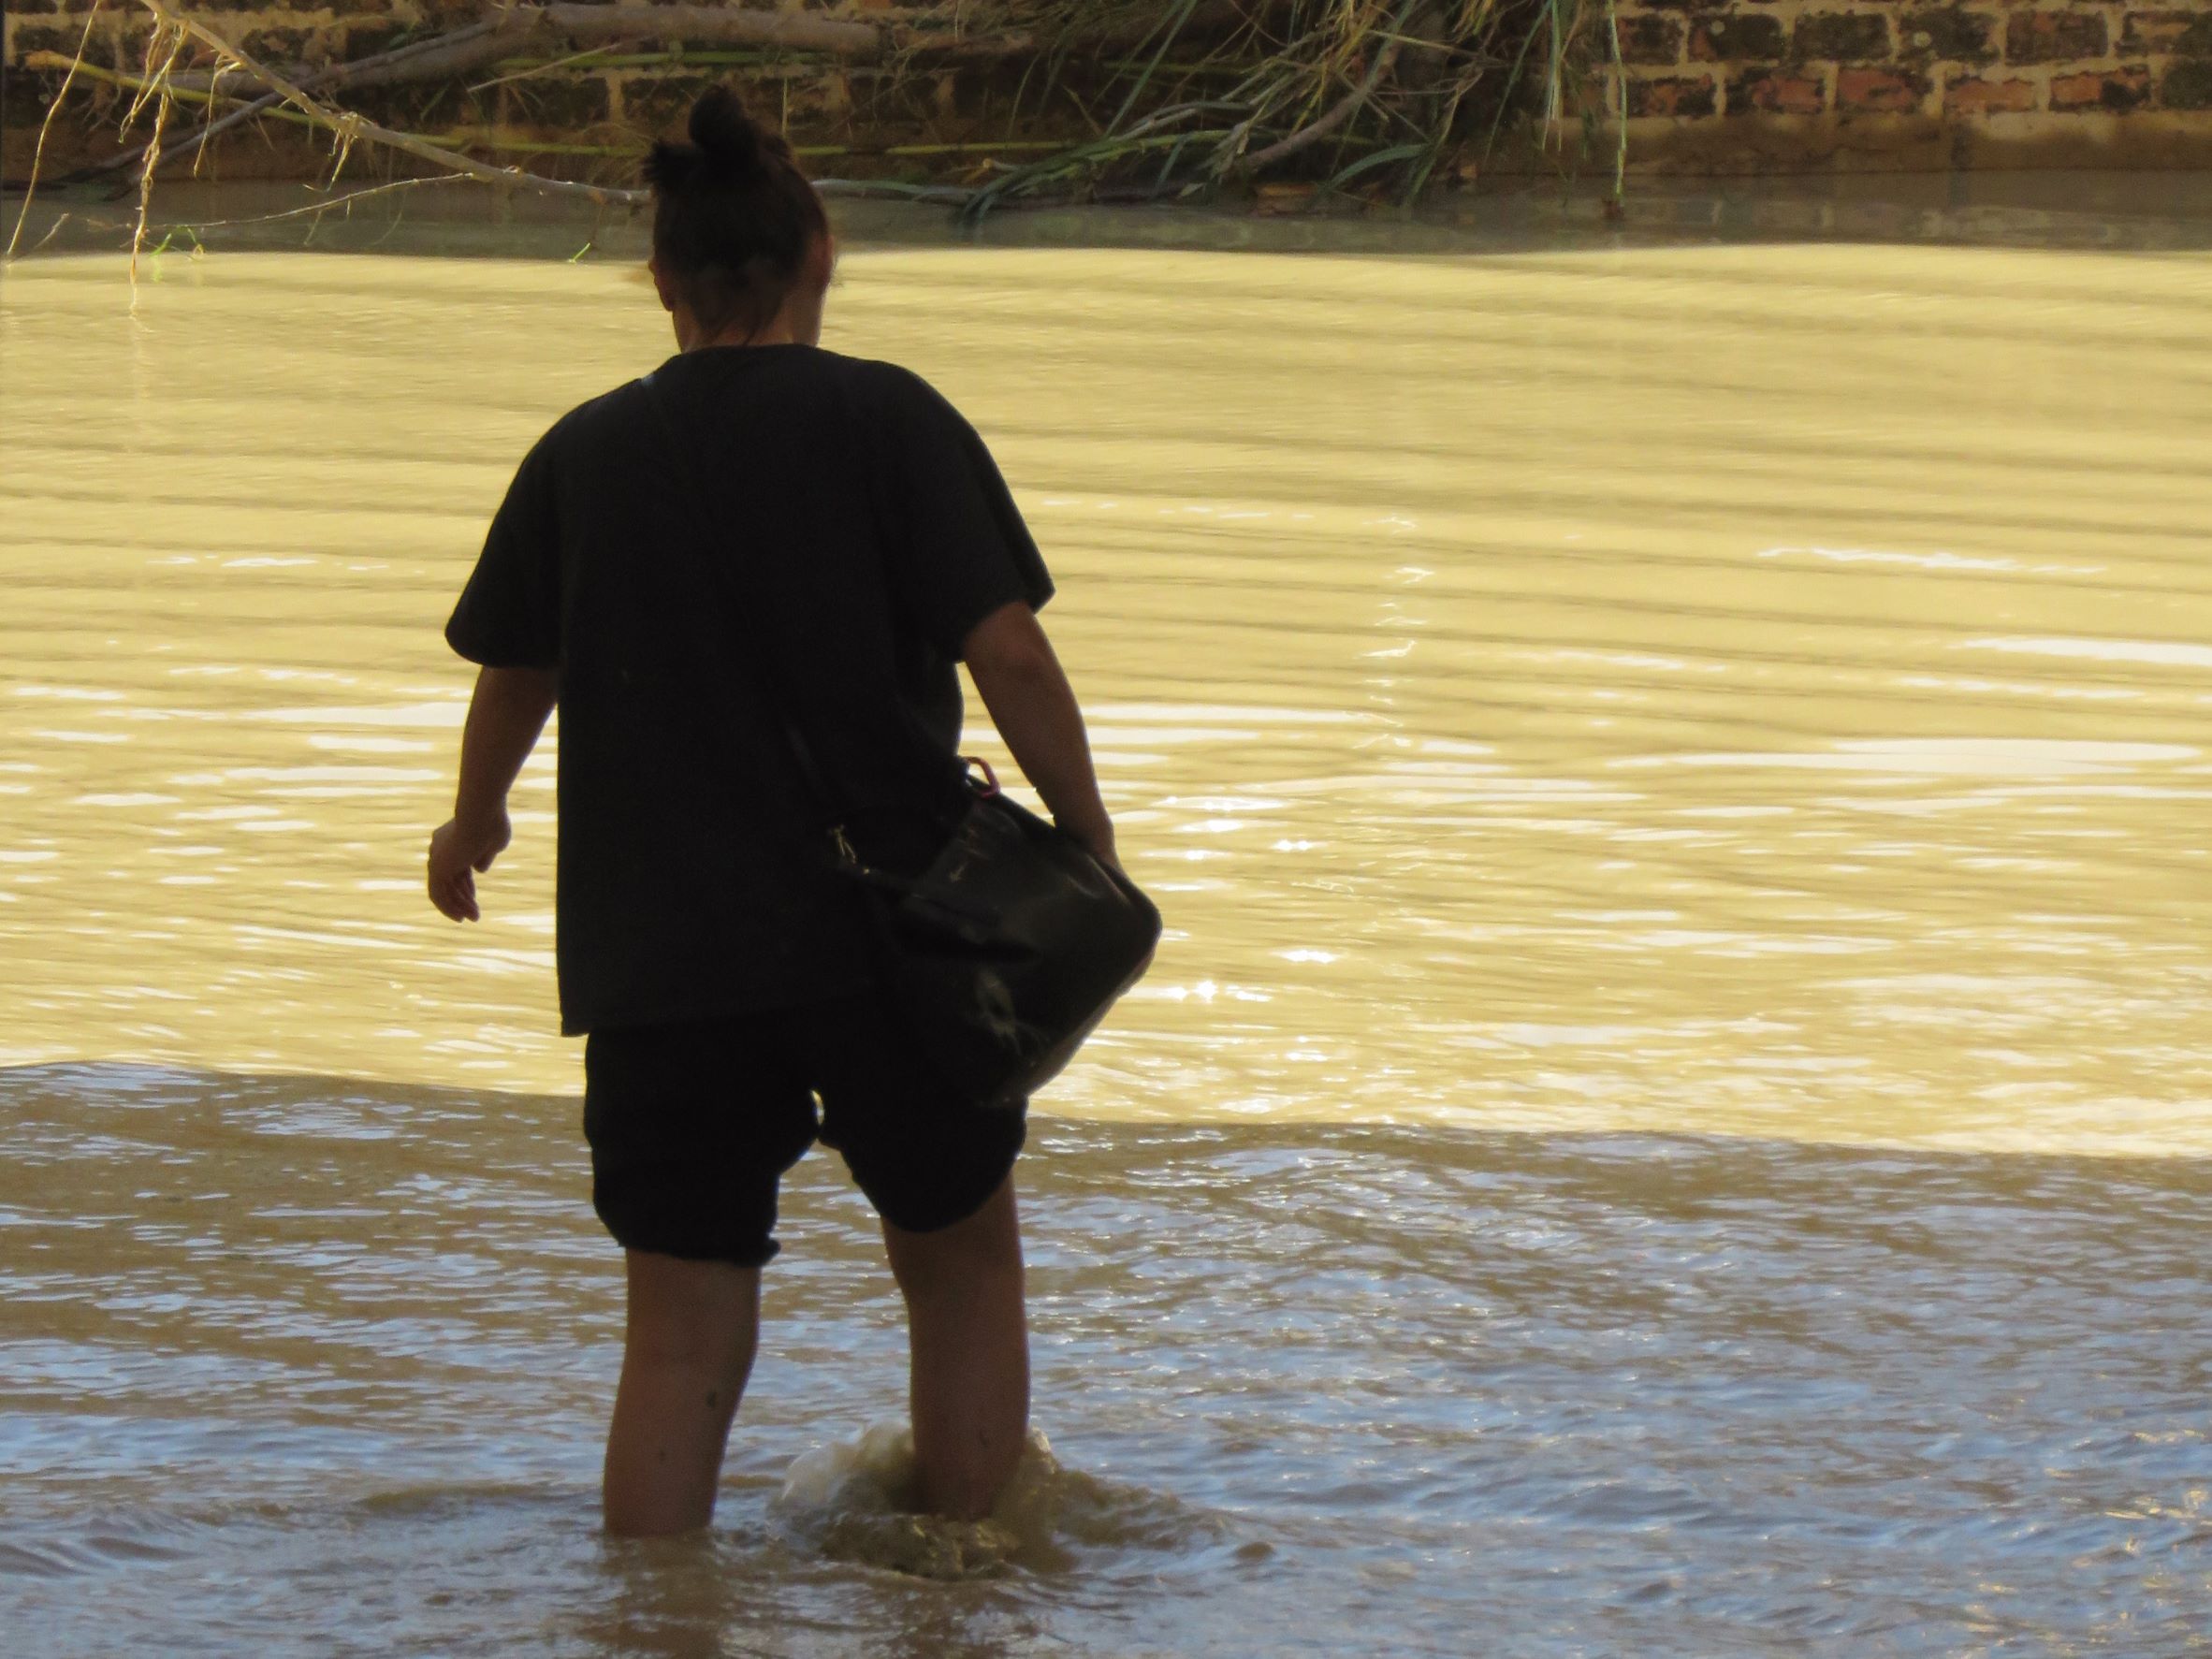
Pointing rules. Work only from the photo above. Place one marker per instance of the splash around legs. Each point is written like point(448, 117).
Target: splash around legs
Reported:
point(971, 1355)
point(693, 1329)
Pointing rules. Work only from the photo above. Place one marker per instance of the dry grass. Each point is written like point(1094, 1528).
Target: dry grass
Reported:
point(1306, 100)
point(1386, 95)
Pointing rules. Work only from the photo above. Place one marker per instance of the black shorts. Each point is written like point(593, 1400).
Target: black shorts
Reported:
point(692, 1125)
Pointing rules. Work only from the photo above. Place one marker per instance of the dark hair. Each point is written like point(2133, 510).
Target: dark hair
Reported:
point(734, 219)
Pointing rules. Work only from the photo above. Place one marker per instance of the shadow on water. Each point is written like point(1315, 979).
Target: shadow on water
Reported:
point(295, 1355)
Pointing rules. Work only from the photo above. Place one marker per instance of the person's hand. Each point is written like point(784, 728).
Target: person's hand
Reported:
point(1100, 845)
point(458, 849)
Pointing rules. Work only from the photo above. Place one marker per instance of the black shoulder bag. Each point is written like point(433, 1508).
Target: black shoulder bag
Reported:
point(1005, 953)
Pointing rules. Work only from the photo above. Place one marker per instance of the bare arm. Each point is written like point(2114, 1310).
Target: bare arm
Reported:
point(505, 715)
point(1034, 708)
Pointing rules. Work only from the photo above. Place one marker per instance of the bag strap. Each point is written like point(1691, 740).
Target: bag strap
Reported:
point(690, 483)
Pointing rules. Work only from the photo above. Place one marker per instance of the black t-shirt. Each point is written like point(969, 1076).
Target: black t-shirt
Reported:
point(855, 529)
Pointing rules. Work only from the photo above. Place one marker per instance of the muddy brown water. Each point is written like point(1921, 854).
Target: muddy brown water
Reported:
point(1671, 1115)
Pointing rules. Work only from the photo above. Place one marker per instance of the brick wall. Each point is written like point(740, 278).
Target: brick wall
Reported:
point(1912, 84)
point(1711, 86)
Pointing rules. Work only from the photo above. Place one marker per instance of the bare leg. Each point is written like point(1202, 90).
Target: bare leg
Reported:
point(970, 1345)
point(687, 1353)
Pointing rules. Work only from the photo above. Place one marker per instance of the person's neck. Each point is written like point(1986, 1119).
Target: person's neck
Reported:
point(786, 327)
point(769, 336)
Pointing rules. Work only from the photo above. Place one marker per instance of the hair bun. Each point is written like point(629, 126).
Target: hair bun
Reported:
point(727, 136)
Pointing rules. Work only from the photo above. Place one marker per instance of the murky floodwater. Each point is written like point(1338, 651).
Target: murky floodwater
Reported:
point(1670, 1117)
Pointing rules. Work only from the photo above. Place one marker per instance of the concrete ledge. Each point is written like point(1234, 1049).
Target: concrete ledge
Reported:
point(2155, 140)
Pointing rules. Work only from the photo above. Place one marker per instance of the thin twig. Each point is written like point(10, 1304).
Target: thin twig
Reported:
point(162, 107)
point(313, 207)
point(1621, 93)
point(151, 82)
point(46, 126)
point(547, 67)
point(53, 230)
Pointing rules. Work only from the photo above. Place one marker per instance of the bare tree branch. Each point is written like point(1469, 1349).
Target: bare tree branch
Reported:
point(310, 81)
point(516, 28)
point(351, 126)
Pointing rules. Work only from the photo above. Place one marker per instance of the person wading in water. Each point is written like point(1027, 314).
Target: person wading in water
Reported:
point(863, 543)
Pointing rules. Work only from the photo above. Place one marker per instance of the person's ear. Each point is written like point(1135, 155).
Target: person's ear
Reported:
point(661, 286)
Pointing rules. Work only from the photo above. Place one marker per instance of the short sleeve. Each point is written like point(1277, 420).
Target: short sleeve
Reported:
point(957, 547)
point(509, 614)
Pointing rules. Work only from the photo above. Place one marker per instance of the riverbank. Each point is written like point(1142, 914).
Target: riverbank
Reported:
point(1090, 101)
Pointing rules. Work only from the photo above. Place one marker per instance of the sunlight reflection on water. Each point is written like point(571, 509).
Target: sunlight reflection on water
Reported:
point(1610, 731)
point(1429, 611)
